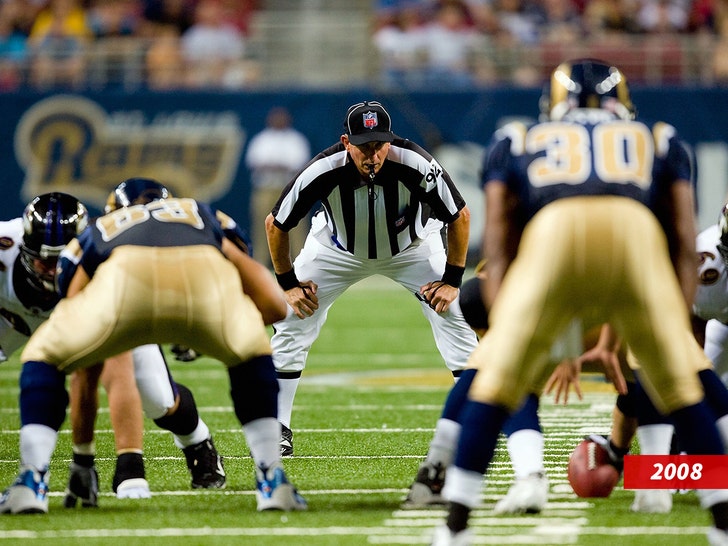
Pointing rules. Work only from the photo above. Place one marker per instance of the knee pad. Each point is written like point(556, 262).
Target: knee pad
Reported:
point(184, 420)
point(526, 417)
point(627, 403)
point(43, 395)
point(254, 389)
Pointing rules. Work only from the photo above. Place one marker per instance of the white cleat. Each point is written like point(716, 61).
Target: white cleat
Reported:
point(445, 537)
point(527, 495)
point(652, 501)
point(717, 537)
point(134, 488)
point(28, 494)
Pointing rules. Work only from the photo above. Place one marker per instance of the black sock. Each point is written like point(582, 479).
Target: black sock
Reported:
point(86, 461)
point(457, 518)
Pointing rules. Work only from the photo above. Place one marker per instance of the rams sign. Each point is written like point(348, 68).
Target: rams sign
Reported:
point(70, 144)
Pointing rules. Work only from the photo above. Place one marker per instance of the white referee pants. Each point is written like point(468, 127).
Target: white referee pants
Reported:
point(334, 270)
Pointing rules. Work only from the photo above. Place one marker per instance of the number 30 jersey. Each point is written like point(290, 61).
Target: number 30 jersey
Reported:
point(590, 153)
point(163, 223)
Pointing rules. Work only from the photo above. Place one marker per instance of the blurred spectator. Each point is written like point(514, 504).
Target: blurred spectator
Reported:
point(164, 65)
point(58, 39)
point(214, 50)
point(114, 17)
point(515, 23)
point(561, 22)
point(453, 46)
point(274, 156)
point(720, 52)
point(13, 47)
point(659, 16)
point(401, 43)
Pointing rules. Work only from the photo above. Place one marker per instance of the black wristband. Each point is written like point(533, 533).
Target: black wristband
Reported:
point(453, 275)
point(288, 280)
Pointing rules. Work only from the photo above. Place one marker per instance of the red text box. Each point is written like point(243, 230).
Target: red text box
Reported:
point(676, 472)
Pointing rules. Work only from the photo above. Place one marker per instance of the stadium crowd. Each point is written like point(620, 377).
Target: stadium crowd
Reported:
point(195, 44)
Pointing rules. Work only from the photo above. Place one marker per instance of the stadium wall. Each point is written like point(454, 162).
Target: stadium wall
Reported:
point(84, 144)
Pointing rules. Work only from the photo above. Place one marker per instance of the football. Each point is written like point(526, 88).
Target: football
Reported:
point(589, 471)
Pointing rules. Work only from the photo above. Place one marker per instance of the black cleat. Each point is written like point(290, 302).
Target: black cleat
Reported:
point(286, 441)
point(205, 465)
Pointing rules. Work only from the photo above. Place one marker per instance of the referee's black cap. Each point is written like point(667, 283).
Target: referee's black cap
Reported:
point(368, 121)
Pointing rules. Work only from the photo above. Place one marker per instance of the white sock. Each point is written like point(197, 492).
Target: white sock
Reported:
point(525, 447)
point(444, 442)
point(655, 439)
point(263, 436)
point(37, 443)
point(200, 434)
point(463, 486)
point(286, 394)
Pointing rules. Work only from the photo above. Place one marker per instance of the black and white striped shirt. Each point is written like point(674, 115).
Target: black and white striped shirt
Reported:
point(411, 196)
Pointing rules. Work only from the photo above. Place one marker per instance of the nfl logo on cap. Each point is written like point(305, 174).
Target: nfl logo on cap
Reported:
point(370, 120)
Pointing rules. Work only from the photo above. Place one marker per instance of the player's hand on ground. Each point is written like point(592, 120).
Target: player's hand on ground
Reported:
point(564, 377)
point(303, 299)
point(439, 295)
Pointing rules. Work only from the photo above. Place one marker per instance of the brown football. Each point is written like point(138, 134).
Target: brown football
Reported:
point(589, 471)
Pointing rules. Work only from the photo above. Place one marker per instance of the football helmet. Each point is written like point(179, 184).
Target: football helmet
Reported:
point(586, 83)
point(50, 221)
point(135, 191)
point(723, 227)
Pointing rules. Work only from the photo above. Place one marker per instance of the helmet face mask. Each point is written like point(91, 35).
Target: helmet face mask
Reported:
point(135, 191)
point(586, 83)
point(50, 221)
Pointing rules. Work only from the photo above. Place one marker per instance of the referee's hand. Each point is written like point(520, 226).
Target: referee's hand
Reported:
point(303, 299)
point(439, 295)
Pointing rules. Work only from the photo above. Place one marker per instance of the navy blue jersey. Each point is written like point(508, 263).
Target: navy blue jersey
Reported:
point(589, 154)
point(163, 223)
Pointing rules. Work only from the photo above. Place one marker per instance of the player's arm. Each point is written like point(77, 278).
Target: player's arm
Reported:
point(500, 238)
point(258, 283)
point(300, 295)
point(681, 235)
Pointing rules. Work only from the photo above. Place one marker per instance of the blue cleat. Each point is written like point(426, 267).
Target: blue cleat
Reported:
point(275, 492)
point(28, 494)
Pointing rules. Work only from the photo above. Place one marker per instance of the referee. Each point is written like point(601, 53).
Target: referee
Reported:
point(384, 201)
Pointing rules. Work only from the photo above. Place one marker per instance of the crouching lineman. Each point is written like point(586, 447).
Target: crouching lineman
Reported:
point(164, 272)
point(170, 404)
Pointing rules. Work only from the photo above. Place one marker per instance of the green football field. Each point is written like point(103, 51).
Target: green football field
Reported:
point(363, 417)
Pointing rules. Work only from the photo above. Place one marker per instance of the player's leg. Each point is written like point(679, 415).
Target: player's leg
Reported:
point(668, 353)
point(525, 443)
point(43, 402)
point(172, 407)
point(254, 391)
point(228, 326)
point(83, 479)
point(125, 411)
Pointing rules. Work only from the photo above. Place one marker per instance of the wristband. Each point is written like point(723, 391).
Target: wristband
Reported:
point(453, 275)
point(288, 280)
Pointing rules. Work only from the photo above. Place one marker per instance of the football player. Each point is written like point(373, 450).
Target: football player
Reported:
point(125, 270)
point(170, 404)
point(601, 205)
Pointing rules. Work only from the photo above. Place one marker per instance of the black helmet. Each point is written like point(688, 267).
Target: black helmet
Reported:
point(723, 227)
point(135, 191)
point(586, 83)
point(50, 221)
